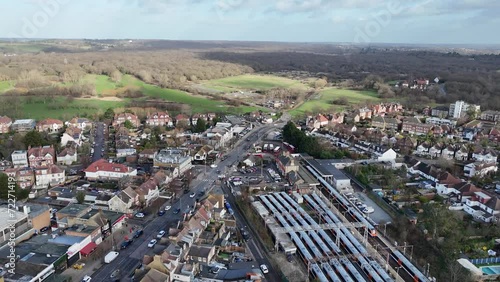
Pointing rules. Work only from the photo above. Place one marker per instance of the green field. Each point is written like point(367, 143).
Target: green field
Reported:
point(252, 82)
point(38, 108)
point(7, 47)
point(5, 85)
point(323, 100)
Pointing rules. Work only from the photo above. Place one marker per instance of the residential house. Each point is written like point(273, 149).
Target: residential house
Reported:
point(124, 152)
point(448, 152)
point(196, 117)
point(19, 158)
point(352, 117)
point(72, 134)
point(202, 153)
point(182, 120)
point(423, 149)
point(385, 123)
point(80, 123)
point(178, 159)
point(23, 125)
point(50, 125)
point(202, 254)
point(5, 123)
point(485, 155)
point(364, 113)
point(440, 111)
point(441, 121)
point(147, 155)
point(49, 175)
point(5, 164)
point(125, 201)
point(483, 206)
point(337, 118)
point(405, 144)
point(67, 156)
point(321, 120)
point(159, 119)
point(415, 126)
point(103, 169)
point(120, 119)
point(436, 150)
point(479, 169)
point(41, 156)
point(462, 154)
point(490, 116)
point(24, 176)
point(494, 135)
point(148, 192)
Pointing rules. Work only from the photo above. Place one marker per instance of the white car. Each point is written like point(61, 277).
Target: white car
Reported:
point(213, 165)
point(192, 195)
point(160, 234)
point(264, 268)
point(168, 208)
point(152, 243)
point(86, 278)
point(139, 215)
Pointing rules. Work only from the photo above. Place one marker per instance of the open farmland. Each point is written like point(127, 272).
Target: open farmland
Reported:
point(5, 85)
point(324, 100)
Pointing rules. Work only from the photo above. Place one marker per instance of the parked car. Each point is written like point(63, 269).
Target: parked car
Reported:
point(289, 258)
point(138, 233)
point(161, 212)
point(178, 210)
point(139, 215)
point(160, 234)
point(44, 229)
point(86, 278)
point(115, 273)
point(168, 208)
point(192, 195)
point(125, 244)
point(264, 268)
point(152, 243)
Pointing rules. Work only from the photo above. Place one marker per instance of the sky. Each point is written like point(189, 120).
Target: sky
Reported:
point(353, 21)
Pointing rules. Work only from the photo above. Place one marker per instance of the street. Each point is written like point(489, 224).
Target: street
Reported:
point(130, 257)
point(98, 142)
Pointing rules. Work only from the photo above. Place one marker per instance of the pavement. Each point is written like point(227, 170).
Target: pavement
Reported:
point(129, 258)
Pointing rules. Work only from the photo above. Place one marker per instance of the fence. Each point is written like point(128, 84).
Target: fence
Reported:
point(486, 260)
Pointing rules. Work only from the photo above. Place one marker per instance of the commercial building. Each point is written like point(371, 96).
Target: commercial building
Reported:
point(173, 158)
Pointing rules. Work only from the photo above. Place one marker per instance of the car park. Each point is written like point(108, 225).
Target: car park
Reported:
point(152, 243)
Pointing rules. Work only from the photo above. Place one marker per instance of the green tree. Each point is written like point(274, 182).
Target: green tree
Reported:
point(200, 126)
point(80, 197)
point(128, 124)
point(4, 186)
point(109, 114)
point(34, 139)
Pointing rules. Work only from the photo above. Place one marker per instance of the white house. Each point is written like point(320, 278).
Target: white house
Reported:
point(483, 206)
point(389, 155)
point(121, 153)
point(67, 156)
point(19, 158)
point(51, 174)
point(124, 201)
point(479, 169)
point(72, 134)
point(148, 191)
point(485, 156)
point(202, 154)
point(103, 169)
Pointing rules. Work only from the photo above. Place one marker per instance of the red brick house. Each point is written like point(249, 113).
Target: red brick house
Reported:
point(159, 119)
point(49, 125)
point(123, 117)
point(5, 123)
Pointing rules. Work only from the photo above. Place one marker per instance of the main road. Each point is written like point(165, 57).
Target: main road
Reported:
point(131, 257)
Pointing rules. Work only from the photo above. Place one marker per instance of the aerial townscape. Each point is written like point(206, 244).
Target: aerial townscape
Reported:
point(224, 151)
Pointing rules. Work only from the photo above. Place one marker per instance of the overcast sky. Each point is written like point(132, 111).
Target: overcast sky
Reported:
point(361, 21)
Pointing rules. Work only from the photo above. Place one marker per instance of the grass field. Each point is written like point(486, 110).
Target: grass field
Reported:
point(8, 47)
point(105, 88)
point(252, 82)
point(5, 85)
point(323, 100)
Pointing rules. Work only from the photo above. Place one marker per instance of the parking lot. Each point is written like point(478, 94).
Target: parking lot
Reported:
point(378, 214)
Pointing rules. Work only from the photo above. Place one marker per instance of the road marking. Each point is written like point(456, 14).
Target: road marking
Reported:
point(257, 249)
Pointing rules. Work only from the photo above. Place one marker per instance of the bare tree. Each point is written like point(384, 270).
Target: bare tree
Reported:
point(116, 76)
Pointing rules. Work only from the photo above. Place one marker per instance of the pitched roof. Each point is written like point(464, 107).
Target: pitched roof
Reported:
point(104, 165)
point(49, 121)
point(41, 151)
point(66, 152)
point(5, 120)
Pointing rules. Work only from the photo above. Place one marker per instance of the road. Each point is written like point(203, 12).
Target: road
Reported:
point(99, 142)
point(131, 257)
